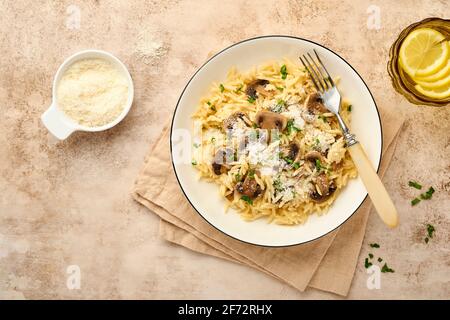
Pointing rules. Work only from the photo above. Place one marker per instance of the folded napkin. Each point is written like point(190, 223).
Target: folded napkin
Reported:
point(327, 263)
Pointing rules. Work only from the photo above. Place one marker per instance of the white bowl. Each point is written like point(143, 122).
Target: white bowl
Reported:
point(60, 125)
point(205, 197)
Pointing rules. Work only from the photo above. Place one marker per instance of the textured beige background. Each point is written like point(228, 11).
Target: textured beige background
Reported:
point(64, 203)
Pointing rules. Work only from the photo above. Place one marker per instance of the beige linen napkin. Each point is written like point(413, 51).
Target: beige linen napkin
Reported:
point(327, 263)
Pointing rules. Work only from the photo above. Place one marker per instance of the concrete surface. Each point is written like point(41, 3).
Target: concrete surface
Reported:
point(68, 203)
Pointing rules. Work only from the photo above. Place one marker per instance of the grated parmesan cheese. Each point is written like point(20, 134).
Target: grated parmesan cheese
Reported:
point(93, 92)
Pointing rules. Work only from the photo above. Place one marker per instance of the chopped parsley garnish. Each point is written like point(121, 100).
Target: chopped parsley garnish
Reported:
point(324, 119)
point(430, 230)
point(349, 108)
point(415, 184)
point(222, 88)
point(281, 102)
point(427, 195)
point(291, 127)
point(317, 142)
point(423, 196)
point(296, 165)
point(277, 185)
point(239, 89)
point(196, 145)
point(283, 71)
point(213, 139)
point(251, 173)
point(279, 106)
point(254, 126)
point(290, 161)
point(211, 106)
point(238, 177)
point(194, 163)
point(385, 269)
point(320, 166)
point(247, 199)
point(368, 264)
point(285, 158)
point(251, 99)
point(280, 88)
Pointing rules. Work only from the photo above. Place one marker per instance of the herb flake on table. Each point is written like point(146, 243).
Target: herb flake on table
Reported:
point(367, 264)
point(370, 255)
point(430, 232)
point(374, 245)
point(385, 269)
point(349, 108)
point(414, 184)
point(379, 260)
point(194, 163)
point(415, 201)
point(427, 195)
point(283, 72)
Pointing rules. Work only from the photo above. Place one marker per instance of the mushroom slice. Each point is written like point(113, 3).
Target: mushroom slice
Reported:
point(322, 184)
point(222, 159)
point(313, 156)
point(291, 151)
point(323, 189)
point(249, 187)
point(314, 105)
point(255, 87)
point(270, 120)
point(229, 122)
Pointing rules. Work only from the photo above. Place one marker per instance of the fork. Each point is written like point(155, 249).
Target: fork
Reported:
point(332, 100)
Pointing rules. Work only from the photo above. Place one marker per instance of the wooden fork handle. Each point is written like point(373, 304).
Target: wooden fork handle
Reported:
point(375, 188)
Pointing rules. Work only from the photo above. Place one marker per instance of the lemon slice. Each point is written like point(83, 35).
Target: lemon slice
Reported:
point(438, 94)
point(423, 52)
point(445, 71)
point(445, 82)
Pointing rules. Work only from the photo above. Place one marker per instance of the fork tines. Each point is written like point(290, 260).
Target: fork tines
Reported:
point(319, 74)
